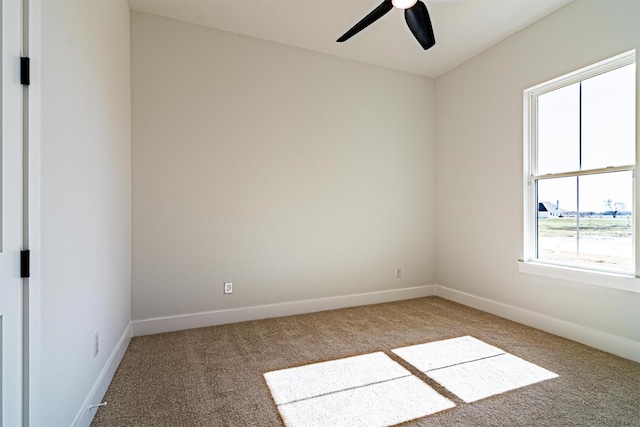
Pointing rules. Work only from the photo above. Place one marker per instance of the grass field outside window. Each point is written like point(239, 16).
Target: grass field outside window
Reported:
point(591, 241)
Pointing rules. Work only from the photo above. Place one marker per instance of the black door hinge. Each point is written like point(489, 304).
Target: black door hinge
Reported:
point(25, 71)
point(25, 260)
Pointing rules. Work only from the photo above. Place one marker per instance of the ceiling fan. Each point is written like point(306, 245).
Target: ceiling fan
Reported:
point(415, 13)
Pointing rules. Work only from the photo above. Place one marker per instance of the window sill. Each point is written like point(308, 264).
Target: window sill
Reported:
point(598, 278)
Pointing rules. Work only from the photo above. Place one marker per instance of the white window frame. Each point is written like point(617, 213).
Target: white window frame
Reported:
point(529, 264)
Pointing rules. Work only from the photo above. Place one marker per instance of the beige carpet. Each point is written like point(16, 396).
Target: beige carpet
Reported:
point(214, 376)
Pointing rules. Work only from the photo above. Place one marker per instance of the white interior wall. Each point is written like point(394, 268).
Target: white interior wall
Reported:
point(293, 174)
point(479, 129)
point(84, 269)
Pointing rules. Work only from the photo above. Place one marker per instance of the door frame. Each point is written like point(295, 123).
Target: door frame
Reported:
point(33, 403)
point(13, 308)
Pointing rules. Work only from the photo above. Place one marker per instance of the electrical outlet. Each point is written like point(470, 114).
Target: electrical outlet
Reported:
point(96, 344)
point(398, 272)
point(228, 287)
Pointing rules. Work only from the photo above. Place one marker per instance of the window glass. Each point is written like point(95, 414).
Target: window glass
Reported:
point(587, 220)
point(606, 220)
point(608, 119)
point(557, 219)
point(559, 130)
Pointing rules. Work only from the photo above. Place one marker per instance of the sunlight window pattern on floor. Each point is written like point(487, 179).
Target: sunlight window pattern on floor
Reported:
point(367, 390)
point(472, 369)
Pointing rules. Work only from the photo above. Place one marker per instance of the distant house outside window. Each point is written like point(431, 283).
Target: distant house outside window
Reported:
point(580, 160)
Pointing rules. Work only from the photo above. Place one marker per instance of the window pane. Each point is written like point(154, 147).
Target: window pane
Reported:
point(608, 119)
point(557, 221)
point(606, 236)
point(587, 221)
point(559, 130)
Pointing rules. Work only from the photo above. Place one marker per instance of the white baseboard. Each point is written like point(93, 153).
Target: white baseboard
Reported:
point(219, 317)
point(85, 415)
point(619, 346)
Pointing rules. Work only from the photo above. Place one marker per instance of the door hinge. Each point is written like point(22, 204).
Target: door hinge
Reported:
point(25, 71)
point(25, 260)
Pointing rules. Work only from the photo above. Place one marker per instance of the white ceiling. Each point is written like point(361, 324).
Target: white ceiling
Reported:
point(463, 28)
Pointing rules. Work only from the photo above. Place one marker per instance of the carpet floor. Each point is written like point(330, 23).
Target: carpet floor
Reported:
point(214, 376)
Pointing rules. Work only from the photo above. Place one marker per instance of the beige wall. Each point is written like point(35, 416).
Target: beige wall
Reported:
point(294, 174)
point(479, 153)
point(85, 201)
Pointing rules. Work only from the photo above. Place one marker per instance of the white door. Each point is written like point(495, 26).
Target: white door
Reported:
point(11, 218)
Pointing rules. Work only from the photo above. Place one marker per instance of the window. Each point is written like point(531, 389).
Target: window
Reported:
point(580, 156)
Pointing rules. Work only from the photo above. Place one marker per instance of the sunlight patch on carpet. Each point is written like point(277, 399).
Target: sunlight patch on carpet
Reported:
point(367, 390)
point(440, 354)
point(313, 380)
point(472, 369)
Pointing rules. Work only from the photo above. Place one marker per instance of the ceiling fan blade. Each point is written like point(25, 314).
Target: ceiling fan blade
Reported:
point(419, 23)
point(372, 17)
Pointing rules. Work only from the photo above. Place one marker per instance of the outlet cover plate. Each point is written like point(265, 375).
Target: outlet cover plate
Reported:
point(228, 287)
